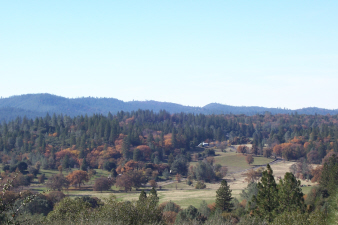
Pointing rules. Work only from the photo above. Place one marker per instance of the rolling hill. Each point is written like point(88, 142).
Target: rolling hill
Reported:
point(32, 105)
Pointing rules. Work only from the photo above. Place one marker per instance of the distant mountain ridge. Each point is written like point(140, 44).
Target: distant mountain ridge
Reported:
point(33, 105)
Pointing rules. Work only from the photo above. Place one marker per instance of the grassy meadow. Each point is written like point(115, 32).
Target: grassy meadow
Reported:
point(180, 193)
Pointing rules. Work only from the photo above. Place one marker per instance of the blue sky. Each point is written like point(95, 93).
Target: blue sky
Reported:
point(252, 53)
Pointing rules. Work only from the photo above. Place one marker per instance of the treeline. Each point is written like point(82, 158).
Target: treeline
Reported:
point(158, 138)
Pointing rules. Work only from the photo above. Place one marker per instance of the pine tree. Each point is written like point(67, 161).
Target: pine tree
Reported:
point(142, 196)
point(84, 165)
point(223, 197)
point(329, 177)
point(125, 148)
point(290, 195)
point(153, 192)
point(65, 162)
point(173, 138)
point(82, 154)
point(153, 196)
point(266, 199)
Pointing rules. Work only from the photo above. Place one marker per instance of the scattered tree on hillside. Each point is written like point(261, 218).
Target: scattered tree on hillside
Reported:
point(180, 165)
point(103, 184)
point(153, 183)
point(252, 175)
point(78, 177)
point(137, 178)
point(249, 159)
point(223, 197)
point(241, 149)
point(124, 181)
point(57, 182)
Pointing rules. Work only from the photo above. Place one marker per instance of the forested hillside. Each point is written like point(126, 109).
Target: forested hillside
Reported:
point(153, 137)
point(32, 105)
point(140, 147)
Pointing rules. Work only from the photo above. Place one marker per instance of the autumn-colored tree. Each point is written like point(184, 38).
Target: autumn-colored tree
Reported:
point(289, 150)
point(137, 178)
point(60, 169)
point(316, 174)
point(313, 157)
point(249, 159)
point(78, 177)
point(278, 149)
point(145, 151)
point(57, 182)
point(131, 165)
point(124, 181)
point(154, 175)
point(328, 156)
point(223, 170)
point(153, 183)
point(267, 152)
point(103, 184)
point(241, 149)
point(169, 217)
point(252, 175)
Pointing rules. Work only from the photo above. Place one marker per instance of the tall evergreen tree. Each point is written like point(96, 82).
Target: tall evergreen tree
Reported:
point(153, 196)
point(290, 195)
point(329, 177)
point(173, 138)
point(223, 197)
point(125, 148)
point(65, 162)
point(84, 165)
point(266, 199)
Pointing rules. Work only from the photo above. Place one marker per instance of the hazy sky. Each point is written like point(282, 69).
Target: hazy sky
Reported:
point(253, 53)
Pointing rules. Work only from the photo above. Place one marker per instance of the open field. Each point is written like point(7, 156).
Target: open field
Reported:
point(236, 161)
point(181, 193)
point(186, 195)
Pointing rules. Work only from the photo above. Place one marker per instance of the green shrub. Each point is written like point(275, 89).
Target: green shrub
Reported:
point(200, 185)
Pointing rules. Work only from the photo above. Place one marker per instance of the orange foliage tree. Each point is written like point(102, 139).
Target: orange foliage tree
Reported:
point(289, 150)
point(130, 165)
point(78, 177)
point(241, 149)
point(146, 151)
point(316, 173)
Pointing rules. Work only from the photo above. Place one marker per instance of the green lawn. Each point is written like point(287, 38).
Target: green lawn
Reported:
point(236, 162)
